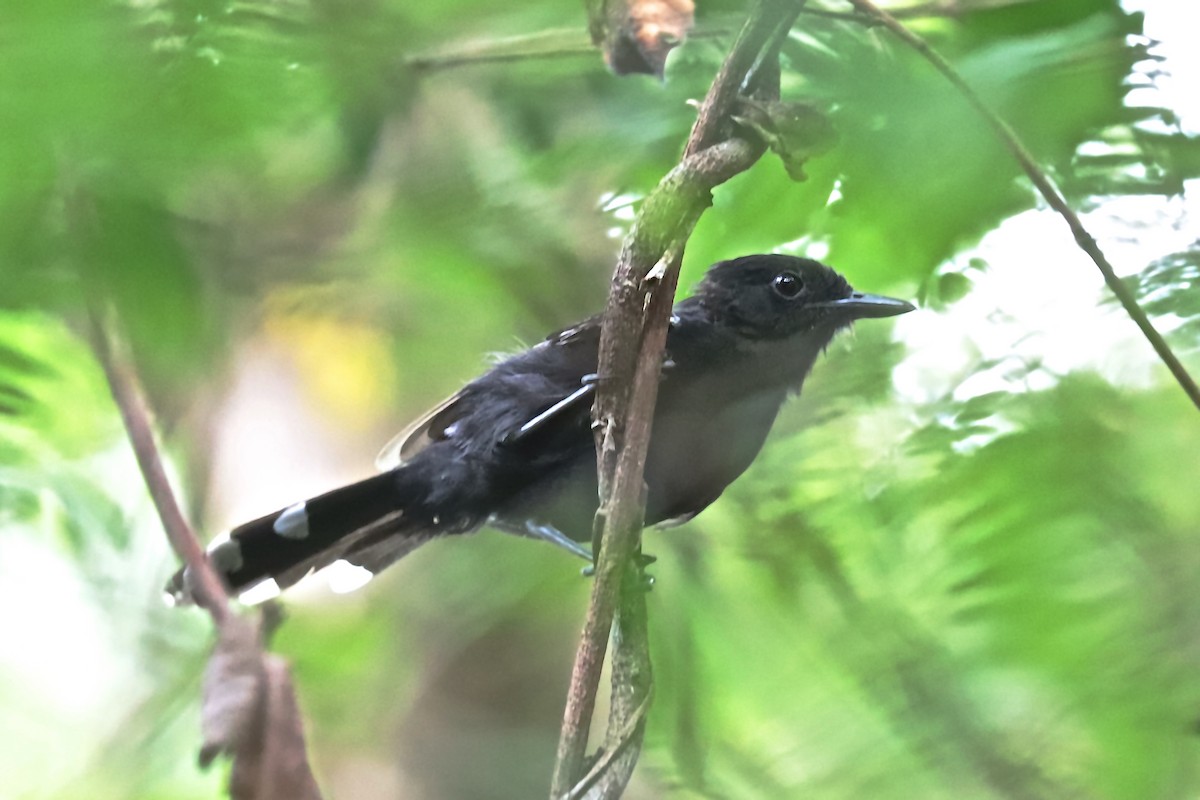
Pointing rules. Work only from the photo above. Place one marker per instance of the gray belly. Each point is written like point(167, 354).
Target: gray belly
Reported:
point(692, 459)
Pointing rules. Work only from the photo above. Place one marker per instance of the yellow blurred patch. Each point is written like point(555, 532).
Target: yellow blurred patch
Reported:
point(346, 366)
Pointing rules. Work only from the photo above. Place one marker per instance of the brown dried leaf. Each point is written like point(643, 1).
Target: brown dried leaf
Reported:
point(250, 712)
point(275, 765)
point(233, 689)
point(637, 35)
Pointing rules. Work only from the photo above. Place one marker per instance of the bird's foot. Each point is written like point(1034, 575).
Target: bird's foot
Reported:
point(548, 533)
point(642, 560)
point(545, 533)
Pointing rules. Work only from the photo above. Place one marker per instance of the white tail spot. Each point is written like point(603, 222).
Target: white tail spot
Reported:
point(292, 523)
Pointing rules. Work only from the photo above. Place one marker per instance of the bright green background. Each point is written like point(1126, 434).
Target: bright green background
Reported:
point(940, 593)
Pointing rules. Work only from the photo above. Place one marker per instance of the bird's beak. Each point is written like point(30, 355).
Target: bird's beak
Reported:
point(865, 306)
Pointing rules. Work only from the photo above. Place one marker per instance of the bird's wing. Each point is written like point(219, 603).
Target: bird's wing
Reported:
point(429, 427)
point(575, 403)
point(585, 333)
point(433, 424)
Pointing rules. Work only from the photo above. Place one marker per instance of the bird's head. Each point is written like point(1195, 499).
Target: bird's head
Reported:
point(778, 296)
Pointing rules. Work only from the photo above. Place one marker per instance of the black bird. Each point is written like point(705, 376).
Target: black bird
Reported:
point(513, 448)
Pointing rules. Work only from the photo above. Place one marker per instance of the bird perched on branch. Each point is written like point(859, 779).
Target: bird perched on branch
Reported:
point(513, 449)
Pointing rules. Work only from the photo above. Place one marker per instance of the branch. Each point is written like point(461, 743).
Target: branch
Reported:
point(554, 43)
point(208, 590)
point(249, 707)
point(632, 686)
point(632, 689)
point(559, 43)
point(630, 360)
point(1048, 190)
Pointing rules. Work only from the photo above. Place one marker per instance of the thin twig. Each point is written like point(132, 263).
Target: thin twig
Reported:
point(126, 392)
point(625, 739)
point(667, 215)
point(713, 114)
point(558, 43)
point(622, 522)
point(249, 709)
point(632, 682)
point(1048, 190)
point(554, 43)
point(631, 350)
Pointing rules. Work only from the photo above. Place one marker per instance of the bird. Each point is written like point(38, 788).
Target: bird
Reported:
point(513, 449)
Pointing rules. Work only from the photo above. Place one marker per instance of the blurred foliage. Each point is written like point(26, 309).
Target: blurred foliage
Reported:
point(968, 594)
point(1018, 627)
point(1167, 288)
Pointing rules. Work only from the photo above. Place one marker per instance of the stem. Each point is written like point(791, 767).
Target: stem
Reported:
point(1049, 191)
point(122, 382)
point(632, 343)
point(557, 43)
point(632, 686)
point(554, 43)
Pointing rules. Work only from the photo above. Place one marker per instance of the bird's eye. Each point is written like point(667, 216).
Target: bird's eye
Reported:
point(787, 284)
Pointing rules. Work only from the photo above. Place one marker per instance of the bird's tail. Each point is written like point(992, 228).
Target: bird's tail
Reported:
point(363, 523)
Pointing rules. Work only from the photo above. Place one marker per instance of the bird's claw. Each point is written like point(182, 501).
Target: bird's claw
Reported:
point(642, 560)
